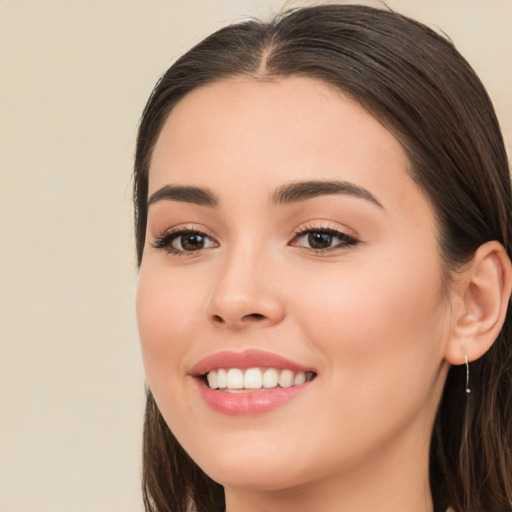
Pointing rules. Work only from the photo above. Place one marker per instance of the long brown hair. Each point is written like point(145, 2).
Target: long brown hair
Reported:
point(417, 85)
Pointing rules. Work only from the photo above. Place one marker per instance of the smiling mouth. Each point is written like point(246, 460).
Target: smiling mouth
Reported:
point(236, 380)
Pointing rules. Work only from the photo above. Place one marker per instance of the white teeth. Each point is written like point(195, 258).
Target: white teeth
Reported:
point(286, 378)
point(255, 378)
point(222, 381)
point(300, 378)
point(212, 379)
point(270, 378)
point(235, 379)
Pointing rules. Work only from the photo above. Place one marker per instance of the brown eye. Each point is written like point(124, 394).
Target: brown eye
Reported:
point(189, 242)
point(319, 240)
point(323, 240)
point(184, 241)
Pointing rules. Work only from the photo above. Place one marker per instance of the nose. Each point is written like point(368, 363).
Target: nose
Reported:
point(245, 293)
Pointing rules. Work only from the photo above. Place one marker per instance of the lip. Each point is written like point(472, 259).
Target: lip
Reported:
point(244, 360)
point(247, 402)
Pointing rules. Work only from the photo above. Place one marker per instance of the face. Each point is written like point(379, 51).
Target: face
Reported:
point(287, 245)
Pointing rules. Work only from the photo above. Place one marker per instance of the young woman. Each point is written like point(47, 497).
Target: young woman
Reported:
point(324, 232)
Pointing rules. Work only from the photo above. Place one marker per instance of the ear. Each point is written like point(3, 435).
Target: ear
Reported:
point(479, 303)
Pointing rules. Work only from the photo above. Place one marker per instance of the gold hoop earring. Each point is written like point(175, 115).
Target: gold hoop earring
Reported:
point(467, 374)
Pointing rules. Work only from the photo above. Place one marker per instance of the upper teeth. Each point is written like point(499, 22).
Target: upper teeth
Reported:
point(255, 378)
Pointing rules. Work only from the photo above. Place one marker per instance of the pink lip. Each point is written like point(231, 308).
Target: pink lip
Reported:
point(247, 402)
point(244, 360)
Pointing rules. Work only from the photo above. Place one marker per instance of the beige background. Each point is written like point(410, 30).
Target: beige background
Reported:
point(74, 79)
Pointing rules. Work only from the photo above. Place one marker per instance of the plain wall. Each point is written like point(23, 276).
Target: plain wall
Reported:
point(75, 76)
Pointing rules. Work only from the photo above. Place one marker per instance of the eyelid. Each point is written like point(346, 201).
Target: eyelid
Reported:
point(336, 230)
point(324, 225)
point(164, 240)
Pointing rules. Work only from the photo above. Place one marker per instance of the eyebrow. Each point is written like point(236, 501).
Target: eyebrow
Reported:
point(286, 194)
point(194, 195)
point(302, 190)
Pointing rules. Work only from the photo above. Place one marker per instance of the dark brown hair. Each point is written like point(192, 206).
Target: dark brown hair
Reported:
point(419, 87)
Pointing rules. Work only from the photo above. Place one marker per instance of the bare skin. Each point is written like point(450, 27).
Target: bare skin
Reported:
point(364, 306)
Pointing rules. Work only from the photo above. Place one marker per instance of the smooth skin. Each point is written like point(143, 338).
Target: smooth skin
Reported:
point(368, 310)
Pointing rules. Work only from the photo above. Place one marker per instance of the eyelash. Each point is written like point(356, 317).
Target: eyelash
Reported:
point(165, 241)
point(347, 241)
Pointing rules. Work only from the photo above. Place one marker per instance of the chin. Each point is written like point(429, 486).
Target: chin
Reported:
point(255, 477)
point(252, 469)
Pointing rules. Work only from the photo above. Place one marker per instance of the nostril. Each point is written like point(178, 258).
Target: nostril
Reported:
point(254, 316)
point(238, 321)
point(218, 319)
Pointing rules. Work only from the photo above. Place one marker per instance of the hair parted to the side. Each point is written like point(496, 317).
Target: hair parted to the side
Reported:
point(419, 87)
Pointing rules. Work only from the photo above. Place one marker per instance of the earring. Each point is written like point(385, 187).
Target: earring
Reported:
point(467, 374)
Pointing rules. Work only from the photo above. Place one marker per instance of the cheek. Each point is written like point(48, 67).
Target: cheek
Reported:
point(165, 315)
point(382, 330)
point(168, 318)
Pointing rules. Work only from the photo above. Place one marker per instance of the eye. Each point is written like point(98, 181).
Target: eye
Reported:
point(322, 239)
point(181, 241)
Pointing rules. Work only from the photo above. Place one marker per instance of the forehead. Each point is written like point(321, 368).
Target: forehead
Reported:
point(244, 133)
